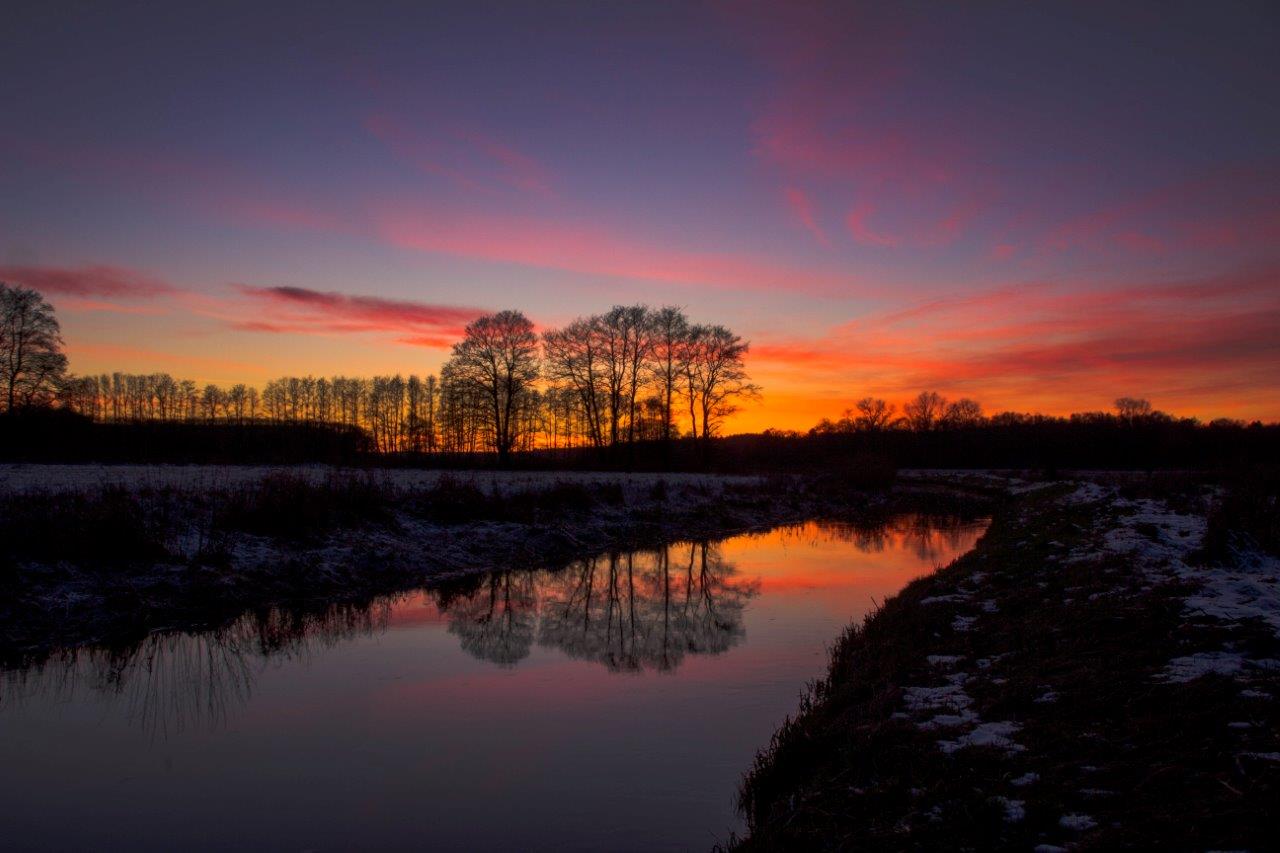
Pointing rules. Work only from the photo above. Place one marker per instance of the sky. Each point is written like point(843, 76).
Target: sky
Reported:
point(1042, 206)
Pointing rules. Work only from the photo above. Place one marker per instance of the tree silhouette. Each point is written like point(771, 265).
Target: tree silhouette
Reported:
point(1132, 408)
point(498, 358)
point(670, 356)
point(716, 377)
point(31, 361)
point(961, 413)
point(874, 414)
point(924, 410)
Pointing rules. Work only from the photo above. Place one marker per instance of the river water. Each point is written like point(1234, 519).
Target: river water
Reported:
point(611, 705)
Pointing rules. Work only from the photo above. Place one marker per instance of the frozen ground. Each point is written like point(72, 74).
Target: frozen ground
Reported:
point(20, 478)
point(1088, 677)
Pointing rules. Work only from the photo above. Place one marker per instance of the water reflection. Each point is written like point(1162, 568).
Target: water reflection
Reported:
point(629, 611)
point(577, 704)
point(169, 681)
point(932, 539)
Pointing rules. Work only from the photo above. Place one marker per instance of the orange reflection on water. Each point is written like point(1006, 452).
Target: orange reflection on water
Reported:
point(816, 554)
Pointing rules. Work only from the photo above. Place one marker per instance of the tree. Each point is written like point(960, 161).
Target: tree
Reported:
point(962, 413)
point(498, 357)
point(874, 414)
point(575, 362)
point(670, 339)
point(715, 376)
point(923, 412)
point(32, 364)
point(1132, 408)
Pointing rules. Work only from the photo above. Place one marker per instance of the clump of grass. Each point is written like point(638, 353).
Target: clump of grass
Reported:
point(104, 528)
point(455, 501)
point(292, 506)
point(1248, 512)
point(658, 492)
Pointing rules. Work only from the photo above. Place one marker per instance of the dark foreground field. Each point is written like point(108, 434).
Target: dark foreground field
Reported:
point(1102, 671)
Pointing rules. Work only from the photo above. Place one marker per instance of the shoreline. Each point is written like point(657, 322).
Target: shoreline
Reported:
point(196, 554)
point(1089, 675)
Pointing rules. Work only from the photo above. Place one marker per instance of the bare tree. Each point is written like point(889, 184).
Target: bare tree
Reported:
point(623, 341)
point(922, 413)
point(498, 356)
point(31, 361)
point(670, 351)
point(962, 413)
point(1132, 408)
point(715, 377)
point(874, 414)
point(574, 360)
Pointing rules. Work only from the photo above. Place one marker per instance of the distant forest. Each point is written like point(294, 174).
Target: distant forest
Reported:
point(635, 387)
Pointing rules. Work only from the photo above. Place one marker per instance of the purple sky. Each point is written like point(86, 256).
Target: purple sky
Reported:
point(1044, 206)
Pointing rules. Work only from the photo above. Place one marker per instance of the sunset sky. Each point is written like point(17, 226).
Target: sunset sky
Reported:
point(1041, 206)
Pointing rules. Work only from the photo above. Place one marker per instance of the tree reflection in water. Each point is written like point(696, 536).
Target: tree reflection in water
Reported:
point(929, 537)
point(169, 681)
point(630, 611)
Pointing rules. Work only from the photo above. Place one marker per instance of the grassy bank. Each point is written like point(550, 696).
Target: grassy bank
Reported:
point(91, 562)
point(1099, 672)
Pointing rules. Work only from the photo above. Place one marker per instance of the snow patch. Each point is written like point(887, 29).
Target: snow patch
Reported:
point(1014, 810)
point(998, 735)
point(1077, 822)
point(1189, 668)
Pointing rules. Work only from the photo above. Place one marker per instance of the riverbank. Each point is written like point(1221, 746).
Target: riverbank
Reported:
point(1102, 670)
point(98, 552)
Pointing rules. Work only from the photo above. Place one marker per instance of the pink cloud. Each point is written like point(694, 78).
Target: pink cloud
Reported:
point(862, 232)
point(1223, 208)
point(98, 306)
point(96, 280)
point(1056, 347)
point(593, 250)
point(471, 158)
point(801, 207)
point(299, 310)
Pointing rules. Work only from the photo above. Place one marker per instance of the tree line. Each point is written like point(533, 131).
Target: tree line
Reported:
point(633, 373)
point(929, 411)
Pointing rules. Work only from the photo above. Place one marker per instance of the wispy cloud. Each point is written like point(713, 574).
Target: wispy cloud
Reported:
point(96, 280)
point(801, 207)
point(1057, 346)
point(299, 310)
point(469, 157)
point(595, 250)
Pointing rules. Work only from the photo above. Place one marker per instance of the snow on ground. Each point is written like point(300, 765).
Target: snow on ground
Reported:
point(1191, 667)
point(999, 735)
point(948, 706)
point(23, 477)
point(1014, 810)
point(1078, 822)
point(1163, 543)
